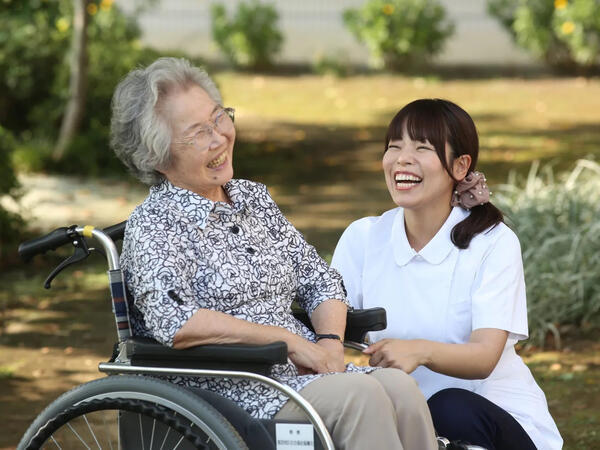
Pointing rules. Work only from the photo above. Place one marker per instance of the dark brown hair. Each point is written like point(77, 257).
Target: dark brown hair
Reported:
point(439, 121)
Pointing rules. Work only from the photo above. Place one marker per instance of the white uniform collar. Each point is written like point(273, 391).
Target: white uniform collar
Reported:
point(436, 250)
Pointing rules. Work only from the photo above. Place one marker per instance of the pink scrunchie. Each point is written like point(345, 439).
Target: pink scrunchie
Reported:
point(471, 191)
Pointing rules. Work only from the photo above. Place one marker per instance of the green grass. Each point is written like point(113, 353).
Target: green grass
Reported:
point(317, 143)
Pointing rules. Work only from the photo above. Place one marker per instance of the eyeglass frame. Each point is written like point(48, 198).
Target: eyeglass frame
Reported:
point(210, 125)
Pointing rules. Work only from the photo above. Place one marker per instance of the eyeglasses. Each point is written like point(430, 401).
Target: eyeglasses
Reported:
point(203, 137)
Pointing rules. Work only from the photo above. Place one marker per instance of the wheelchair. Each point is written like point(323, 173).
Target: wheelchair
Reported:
point(134, 408)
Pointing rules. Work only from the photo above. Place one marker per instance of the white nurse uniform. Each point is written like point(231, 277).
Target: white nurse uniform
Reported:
point(443, 293)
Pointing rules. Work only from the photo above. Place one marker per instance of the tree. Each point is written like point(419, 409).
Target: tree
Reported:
point(78, 79)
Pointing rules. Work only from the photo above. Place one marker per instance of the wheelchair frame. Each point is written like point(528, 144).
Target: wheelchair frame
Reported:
point(122, 363)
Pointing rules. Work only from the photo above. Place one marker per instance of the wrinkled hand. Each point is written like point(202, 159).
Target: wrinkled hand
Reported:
point(401, 354)
point(312, 358)
point(336, 353)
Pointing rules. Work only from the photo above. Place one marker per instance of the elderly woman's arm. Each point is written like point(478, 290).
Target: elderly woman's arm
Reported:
point(330, 318)
point(320, 288)
point(206, 326)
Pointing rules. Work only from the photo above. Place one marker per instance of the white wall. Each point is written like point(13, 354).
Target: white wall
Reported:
point(314, 27)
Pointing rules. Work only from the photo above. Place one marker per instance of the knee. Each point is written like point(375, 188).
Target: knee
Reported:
point(451, 411)
point(361, 393)
point(401, 388)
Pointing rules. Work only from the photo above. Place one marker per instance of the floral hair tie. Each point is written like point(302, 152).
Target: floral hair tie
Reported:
point(471, 191)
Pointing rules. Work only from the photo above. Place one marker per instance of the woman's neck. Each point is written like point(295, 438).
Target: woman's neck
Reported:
point(214, 193)
point(422, 225)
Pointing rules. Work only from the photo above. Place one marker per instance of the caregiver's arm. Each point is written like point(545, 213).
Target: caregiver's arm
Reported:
point(206, 326)
point(472, 360)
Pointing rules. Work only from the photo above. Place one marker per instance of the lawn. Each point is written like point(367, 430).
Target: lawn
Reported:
point(317, 143)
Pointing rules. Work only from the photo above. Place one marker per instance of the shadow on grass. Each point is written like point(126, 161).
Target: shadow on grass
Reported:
point(291, 155)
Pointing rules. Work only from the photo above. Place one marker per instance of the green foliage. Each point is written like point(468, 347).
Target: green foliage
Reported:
point(400, 33)
point(11, 224)
point(558, 224)
point(331, 65)
point(35, 37)
point(33, 42)
point(564, 33)
point(251, 38)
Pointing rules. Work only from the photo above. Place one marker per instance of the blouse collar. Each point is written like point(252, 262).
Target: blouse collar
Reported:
point(196, 207)
point(436, 250)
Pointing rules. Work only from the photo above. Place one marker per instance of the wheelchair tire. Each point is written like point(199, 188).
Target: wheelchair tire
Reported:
point(92, 412)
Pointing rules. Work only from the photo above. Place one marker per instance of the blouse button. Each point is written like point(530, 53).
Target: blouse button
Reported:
point(235, 229)
point(250, 250)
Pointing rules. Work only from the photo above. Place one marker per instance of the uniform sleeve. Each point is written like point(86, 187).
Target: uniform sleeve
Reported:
point(317, 281)
point(348, 259)
point(160, 268)
point(498, 293)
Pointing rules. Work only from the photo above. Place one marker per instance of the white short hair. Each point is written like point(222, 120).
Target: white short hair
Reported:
point(138, 134)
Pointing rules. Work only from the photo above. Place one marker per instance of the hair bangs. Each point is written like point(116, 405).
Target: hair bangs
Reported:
point(424, 121)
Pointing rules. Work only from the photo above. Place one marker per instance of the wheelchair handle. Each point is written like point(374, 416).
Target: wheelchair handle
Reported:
point(50, 241)
point(65, 235)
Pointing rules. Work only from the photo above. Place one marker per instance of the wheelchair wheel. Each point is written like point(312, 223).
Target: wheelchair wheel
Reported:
point(130, 412)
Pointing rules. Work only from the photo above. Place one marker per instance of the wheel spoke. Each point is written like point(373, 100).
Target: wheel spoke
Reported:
point(91, 431)
point(152, 434)
point(165, 439)
point(55, 443)
point(79, 437)
point(178, 442)
point(107, 429)
point(141, 431)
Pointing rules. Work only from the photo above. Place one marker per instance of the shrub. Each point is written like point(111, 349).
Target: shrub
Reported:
point(251, 38)
point(564, 33)
point(558, 224)
point(400, 33)
point(337, 66)
point(11, 224)
point(35, 37)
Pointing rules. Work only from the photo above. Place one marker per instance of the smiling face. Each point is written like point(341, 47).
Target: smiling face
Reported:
point(414, 174)
point(198, 168)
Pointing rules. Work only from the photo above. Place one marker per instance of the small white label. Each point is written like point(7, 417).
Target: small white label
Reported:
point(294, 436)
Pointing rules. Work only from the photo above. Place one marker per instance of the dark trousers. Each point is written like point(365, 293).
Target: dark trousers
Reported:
point(461, 415)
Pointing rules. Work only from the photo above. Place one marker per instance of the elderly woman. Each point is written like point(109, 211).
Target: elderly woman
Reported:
point(211, 260)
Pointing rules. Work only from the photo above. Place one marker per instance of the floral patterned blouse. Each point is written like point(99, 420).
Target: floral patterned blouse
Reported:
point(183, 252)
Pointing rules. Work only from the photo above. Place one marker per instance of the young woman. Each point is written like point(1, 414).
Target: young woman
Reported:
point(450, 275)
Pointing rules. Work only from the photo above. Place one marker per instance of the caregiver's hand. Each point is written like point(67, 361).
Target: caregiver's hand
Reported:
point(401, 354)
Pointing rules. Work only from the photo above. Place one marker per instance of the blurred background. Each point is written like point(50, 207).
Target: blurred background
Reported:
point(314, 85)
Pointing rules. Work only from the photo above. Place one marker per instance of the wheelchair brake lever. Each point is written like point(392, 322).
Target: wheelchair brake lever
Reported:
point(81, 252)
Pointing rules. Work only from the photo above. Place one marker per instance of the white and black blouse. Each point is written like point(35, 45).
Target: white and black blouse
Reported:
point(183, 252)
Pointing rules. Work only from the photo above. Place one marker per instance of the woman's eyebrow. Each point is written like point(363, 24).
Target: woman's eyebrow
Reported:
point(197, 124)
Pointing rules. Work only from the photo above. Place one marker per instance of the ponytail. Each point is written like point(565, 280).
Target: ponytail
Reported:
point(481, 218)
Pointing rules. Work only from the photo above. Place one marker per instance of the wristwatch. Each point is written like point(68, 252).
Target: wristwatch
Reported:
point(328, 336)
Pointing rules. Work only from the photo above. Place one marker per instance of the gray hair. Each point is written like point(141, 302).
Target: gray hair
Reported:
point(139, 135)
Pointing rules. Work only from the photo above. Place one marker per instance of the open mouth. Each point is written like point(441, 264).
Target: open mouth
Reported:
point(406, 181)
point(217, 161)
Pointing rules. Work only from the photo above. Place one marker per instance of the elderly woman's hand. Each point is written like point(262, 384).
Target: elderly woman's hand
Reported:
point(336, 352)
point(312, 358)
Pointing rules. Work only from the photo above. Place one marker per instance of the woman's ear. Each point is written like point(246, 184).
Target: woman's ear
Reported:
point(460, 166)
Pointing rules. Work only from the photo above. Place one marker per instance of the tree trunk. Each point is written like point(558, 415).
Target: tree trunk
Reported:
point(78, 81)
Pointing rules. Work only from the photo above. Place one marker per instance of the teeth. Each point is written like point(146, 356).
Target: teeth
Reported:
point(218, 161)
point(405, 177)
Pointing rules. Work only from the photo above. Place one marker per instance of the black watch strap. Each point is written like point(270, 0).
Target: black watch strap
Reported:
point(328, 336)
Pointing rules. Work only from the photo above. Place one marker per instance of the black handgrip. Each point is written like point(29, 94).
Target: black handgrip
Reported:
point(360, 321)
point(50, 241)
point(116, 232)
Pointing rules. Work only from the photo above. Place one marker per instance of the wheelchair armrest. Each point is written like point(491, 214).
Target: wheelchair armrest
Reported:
point(358, 322)
point(249, 358)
